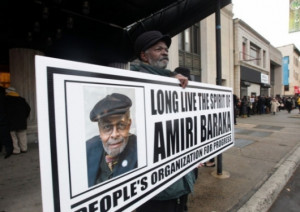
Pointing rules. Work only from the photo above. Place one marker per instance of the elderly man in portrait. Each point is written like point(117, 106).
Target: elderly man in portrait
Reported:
point(114, 151)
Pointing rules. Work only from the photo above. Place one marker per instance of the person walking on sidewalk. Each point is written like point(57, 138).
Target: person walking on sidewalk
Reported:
point(298, 103)
point(289, 104)
point(235, 108)
point(261, 105)
point(245, 107)
point(274, 106)
point(18, 111)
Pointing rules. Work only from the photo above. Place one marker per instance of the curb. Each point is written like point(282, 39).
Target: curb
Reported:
point(263, 199)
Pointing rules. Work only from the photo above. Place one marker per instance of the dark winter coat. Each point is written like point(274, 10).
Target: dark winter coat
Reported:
point(94, 153)
point(3, 118)
point(17, 110)
point(185, 184)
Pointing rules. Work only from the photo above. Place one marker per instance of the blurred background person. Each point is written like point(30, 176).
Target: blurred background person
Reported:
point(245, 107)
point(288, 104)
point(5, 138)
point(18, 111)
point(274, 106)
point(235, 105)
point(298, 103)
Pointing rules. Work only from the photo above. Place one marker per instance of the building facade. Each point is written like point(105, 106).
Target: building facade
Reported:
point(275, 72)
point(250, 64)
point(196, 49)
point(257, 64)
point(291, 69)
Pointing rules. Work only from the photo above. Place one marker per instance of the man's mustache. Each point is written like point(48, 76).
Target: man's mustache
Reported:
point(164, 58)
point(115, 141)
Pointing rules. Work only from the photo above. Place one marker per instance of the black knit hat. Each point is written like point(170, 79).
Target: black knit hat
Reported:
point(110, 105)
point(148, 39)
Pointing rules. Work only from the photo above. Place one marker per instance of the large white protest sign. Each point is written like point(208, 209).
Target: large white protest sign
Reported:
point(175, 130)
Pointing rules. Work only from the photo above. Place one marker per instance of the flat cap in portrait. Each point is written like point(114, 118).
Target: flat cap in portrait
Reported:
point(114, 104)
point(148, 39)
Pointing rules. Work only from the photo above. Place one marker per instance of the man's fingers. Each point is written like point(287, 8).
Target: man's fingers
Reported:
point(184, 82)
point(182, 79)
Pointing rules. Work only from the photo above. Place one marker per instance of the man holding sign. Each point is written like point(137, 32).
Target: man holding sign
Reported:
point(152, 50)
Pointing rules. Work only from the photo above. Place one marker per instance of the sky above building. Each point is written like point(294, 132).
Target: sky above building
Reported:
point(270, 18)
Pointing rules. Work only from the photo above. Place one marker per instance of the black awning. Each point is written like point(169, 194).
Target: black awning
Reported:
point(265, 85)
point(245, 84)
point(95, 31)
point(250, 75)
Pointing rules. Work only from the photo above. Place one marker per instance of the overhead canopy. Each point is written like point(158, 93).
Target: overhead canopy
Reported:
point(94, 31)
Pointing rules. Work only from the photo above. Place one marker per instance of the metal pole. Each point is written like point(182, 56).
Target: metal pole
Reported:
point(218, 43)
point(219, 67)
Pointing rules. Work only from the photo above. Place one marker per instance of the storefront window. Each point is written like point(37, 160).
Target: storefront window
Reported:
point(187, 40)
point(254, 54)
point(286, 88)
point(244, 46)
point(264, 59)
point(189, 51)
point(196, 36)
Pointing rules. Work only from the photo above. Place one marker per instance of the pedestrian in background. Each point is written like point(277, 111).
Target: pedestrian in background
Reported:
point(268, 104)
point(245, 107)
point(238, 106)
point(293, 102)
point(298, 103)
point(261, 104)
point(281, 104)
point(289, 104)
point(274, 106)
point(17, 113)
point(249, 107)
point(5, 138)
point(253, 99)
point(235, 108)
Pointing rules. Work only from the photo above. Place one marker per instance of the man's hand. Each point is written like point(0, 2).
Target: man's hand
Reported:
point(200, 165)
point(182, 79)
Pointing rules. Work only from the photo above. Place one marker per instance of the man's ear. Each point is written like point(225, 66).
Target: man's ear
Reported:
point(144, 57)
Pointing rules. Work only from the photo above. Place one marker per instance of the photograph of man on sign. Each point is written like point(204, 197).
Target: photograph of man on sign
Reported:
point(114, 151)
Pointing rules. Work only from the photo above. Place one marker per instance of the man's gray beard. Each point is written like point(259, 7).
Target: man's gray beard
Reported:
point(116, 151)
point(158, 63)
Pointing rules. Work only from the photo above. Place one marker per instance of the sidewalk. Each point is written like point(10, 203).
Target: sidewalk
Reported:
point(266, 153)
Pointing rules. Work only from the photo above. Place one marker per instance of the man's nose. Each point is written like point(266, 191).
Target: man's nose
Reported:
point(165, 51)
point(115, 132)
